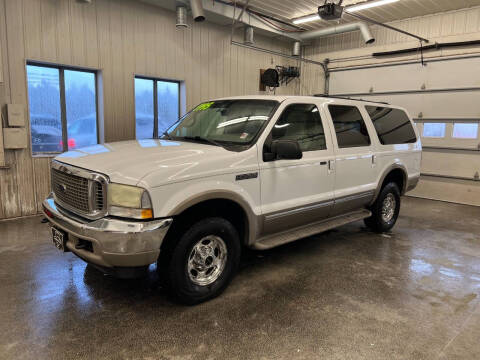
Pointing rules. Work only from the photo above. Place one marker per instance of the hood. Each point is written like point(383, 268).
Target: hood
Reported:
point(156, 162)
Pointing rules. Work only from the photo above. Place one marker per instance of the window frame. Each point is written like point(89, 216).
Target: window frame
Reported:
point(270, 135)
point(155, 100)
point(63, 104)
point(365, 122)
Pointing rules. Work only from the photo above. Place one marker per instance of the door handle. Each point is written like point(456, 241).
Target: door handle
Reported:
point(323, 163)
point(374, 160)
point(331, 165)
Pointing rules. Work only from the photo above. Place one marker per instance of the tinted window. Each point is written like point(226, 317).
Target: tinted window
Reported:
point(434, 130)
point(349, 126)
point(465, 131)
point(392, 125)
point(301, 122)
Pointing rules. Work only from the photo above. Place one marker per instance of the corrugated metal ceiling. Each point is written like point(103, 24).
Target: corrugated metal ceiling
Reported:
point(289, 9)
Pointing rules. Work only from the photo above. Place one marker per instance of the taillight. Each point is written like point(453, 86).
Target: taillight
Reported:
point(71, 143)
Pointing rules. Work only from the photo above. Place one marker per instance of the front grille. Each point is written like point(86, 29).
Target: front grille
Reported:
point(77, 193)
point(71, 190)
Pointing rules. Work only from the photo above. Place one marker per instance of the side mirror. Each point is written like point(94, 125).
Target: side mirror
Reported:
point(286, 150)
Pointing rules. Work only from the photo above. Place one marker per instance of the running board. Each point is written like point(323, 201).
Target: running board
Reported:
point(285, 237)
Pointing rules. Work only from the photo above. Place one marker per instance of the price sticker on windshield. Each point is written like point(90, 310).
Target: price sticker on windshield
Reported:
point(204, 106)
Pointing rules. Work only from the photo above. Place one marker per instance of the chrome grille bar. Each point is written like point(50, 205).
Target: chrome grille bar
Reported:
point(78, 190)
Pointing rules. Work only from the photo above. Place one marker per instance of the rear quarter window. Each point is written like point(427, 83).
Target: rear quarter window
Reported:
point(392, 125)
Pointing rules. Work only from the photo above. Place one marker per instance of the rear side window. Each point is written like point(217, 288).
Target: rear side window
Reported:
point(392, 125)
point(301, 122)
point(349, 126)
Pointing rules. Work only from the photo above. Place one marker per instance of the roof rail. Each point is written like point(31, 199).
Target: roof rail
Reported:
point(349, 98)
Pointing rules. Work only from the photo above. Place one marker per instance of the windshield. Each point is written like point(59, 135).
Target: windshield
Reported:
point(235, 122)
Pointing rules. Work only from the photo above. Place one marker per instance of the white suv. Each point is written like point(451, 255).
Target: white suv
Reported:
point(256, 171)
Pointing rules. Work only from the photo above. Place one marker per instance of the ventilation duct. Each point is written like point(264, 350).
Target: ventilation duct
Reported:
point(197, 10)
point(248, 35)
point(181, 17)
point(339, 29)
point(296, 51)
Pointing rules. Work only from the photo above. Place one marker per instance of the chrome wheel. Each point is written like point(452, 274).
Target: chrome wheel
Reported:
point(388, 207)
point(207, 260)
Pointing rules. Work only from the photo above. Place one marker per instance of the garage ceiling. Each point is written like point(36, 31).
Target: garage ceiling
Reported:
point(289, 9)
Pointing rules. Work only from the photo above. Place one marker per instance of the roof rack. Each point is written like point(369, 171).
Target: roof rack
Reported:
point(349, 98)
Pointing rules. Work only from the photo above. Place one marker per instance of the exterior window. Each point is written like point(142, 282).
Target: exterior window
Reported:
point(301, 122)
point(349, 126)
point(157, 106)
point(63, 108)
point(434, 130)
point(392, 125)
point(465, 131)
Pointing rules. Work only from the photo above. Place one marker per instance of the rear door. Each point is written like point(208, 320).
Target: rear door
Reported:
point(355, 163)
point(297, 192)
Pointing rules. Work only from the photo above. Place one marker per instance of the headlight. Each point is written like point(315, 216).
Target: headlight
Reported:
point(129, 201)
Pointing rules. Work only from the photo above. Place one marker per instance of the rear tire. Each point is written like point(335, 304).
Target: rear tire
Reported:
point(202, 262)
point(385, 209)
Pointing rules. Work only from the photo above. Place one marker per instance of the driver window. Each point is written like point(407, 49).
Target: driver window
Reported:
point(301, 122)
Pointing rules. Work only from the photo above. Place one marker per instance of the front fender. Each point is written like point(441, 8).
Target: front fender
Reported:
point(172, 199)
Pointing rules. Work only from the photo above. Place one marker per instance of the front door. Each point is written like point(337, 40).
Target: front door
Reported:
point(297, 192)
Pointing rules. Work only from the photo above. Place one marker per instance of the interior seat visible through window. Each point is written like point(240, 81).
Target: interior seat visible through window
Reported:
point(302, 123)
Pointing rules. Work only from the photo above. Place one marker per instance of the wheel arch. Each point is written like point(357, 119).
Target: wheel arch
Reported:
point(223, 204)
point(395, 173)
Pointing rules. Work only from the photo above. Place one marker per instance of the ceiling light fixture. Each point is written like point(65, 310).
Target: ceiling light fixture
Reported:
point(368, 5)
point(352, 8)
point(305, 19)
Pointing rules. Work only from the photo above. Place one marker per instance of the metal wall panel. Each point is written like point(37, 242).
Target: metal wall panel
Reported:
point(410, 77)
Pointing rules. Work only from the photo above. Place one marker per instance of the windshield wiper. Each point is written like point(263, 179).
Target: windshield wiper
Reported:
point(203, 139)
point(167, 135)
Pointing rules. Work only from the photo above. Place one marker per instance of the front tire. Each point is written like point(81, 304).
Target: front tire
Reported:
point(203, 261)
point(385, 209)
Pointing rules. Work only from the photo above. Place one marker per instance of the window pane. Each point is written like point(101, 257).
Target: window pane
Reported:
point(232, 121)
point(301, 122)
point(349, 126)
point(44, 105)
point(144, 108)
point(168, 104)
point(81, 108)
point(392, 125)
point(434, 130)
point(465, 131)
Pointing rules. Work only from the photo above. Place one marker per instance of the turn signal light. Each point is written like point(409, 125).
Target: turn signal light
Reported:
point(147, 214)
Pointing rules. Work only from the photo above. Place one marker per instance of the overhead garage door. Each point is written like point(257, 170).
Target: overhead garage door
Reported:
point(443, 97)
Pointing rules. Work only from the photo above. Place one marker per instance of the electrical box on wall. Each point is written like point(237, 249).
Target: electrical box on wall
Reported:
point(15, 138)
point(15, 115)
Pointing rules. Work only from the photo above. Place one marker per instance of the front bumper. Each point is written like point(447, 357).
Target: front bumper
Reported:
point(114, 242)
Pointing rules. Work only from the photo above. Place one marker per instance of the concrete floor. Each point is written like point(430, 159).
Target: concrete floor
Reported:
point(346, 294)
